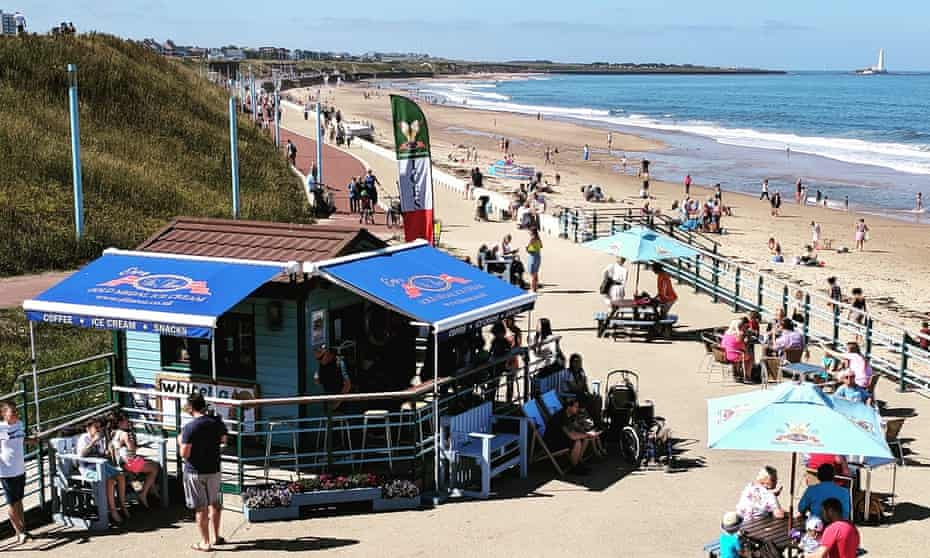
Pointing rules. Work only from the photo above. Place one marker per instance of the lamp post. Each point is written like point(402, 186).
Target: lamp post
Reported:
point(319, 144)
point(76, 152)
point(277, 112)
point(234, 155)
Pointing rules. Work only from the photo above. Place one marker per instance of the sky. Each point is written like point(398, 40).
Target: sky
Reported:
point(774, 34)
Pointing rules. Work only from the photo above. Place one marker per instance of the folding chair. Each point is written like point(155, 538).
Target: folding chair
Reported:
point(538, 428)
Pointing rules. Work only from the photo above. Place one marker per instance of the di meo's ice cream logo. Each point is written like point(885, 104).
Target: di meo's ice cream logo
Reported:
point(157, 283)
point(415, 285)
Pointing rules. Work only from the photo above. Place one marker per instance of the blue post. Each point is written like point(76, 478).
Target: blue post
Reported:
point(234, 155)
point(76, 153)
point(319, 143)
point(277, 119)
point(252, 95)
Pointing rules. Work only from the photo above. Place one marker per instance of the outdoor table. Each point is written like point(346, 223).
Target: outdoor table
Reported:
point(804, 370)
point(868, 465)
point(765, 530)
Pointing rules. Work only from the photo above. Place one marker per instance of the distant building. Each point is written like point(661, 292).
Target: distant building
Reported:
point(234, 54)
point(274, 53)
point(7, 24)
point(153, 45)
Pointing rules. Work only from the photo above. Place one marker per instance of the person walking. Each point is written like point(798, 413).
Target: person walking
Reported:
point(862, 234)
point(688, 185)
point(585, 153)
point(19, 20)
point(200, 444)
point(765, 190)
point(353, 195)
point(13, 468)
point(534, 258)
point(291, 151)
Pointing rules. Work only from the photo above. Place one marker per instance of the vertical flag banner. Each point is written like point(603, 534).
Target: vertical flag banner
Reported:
point(414, 168)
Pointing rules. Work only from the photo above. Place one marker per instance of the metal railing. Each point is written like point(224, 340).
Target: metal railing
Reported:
point(893, 349)
point(580, 225)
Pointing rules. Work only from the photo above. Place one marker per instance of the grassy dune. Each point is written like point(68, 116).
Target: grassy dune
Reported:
point(155, 144)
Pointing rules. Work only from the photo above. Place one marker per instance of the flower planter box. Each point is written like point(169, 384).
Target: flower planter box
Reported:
point(313, 499)
point(324, 497)
point(255, 515)
point(395, 504)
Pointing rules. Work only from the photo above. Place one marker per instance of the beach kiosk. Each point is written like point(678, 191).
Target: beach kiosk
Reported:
point(239, 310)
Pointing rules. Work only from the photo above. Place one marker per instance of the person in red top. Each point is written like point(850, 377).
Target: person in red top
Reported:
point(665, 293)
point(841, 538)
point(925, 340)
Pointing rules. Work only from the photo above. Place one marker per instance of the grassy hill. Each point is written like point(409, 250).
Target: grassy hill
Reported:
point(154, 141)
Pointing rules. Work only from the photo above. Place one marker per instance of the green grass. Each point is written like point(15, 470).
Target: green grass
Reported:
point(154, 141)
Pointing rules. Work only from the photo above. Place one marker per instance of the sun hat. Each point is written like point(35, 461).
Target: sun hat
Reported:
point(814, 523)
point(731, 522)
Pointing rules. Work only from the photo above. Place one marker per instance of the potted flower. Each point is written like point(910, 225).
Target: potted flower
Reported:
point(398, 495)
point(314, 490)
point(269, 503)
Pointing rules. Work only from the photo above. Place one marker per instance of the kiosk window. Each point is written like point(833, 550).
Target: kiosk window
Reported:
point(235, 350)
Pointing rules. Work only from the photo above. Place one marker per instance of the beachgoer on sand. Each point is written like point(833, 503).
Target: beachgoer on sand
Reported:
point(862, 234)
point(765, 190)
point(688, 185)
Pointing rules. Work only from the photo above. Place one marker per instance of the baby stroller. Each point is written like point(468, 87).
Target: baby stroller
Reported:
point(641, 436)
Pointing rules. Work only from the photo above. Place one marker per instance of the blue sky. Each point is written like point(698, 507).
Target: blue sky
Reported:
point(786, 34)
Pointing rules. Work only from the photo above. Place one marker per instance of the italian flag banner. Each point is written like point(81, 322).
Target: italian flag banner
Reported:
point(414, 168)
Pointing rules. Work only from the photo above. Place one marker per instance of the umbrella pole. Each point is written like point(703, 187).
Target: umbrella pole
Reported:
point(636, 289)
point(794, 464)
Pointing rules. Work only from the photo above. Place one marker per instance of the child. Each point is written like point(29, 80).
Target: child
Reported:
point(730, 544)
point(813, 531)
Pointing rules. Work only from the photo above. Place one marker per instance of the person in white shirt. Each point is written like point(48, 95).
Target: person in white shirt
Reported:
point(505, 249)
point(613, 286)
point(13, 467)
point(20, 21)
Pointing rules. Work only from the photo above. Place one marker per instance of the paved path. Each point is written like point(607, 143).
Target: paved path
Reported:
point(14, 290)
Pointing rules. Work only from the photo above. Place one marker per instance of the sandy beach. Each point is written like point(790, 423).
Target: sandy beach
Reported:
point(890, 271)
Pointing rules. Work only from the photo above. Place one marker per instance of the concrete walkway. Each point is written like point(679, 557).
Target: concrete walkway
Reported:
point(14, 290)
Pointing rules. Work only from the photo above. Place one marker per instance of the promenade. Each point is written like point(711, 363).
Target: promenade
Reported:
point(612, 512)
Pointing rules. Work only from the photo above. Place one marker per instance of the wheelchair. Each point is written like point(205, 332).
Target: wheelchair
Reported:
point(642, 438)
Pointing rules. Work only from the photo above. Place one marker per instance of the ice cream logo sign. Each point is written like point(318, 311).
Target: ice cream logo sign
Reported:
point(157, 283)
point(409, 132)
point(415, 285)
point(797, 434)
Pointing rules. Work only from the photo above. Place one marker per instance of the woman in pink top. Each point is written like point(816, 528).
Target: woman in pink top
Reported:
point(734, 344)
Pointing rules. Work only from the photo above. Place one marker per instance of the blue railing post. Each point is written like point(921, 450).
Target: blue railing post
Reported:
point(807, 316)
point(760, 296)
point(594, 223)
point(836, 322)
point(697, 272)
point(868, 336)
point(902, 370)
point(240, 470)
point(716, 278)
point(784, 300)
point(680, 278)
point(736, 290)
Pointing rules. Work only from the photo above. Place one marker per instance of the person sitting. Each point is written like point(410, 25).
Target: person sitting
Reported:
point(841, 538)
point(505, 249)
point(777, 256)
point(577, 386)
point(850, 391)
point(809, 257)
point(734, 344)
point(854, 361)
point(544, 346)
point(759, 498)
point(730, 544)
point(124, 447)
point(813, 532)
point(92, 443)
point(840, 466)
point(560, 435)
point(665, 293)
point(815, 494)
point(613, 284)
point(789, 338)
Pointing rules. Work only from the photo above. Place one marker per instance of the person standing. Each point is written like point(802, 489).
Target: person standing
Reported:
point(815, 234)
point(291, 150)
point(613, 284)
point(841, 538)
point(371, 185)
point(765, 190)
point(13, 467)
point(585, 153)
point(836, 293)
point(353, 195)
point(688, 185)
point(610, 141)
point(862, 234)
point(200, 444)
point(20, 21)
point(918, 205)
point(797, 191)
point(534, 258)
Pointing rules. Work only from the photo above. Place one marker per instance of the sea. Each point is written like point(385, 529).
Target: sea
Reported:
point(865, 138)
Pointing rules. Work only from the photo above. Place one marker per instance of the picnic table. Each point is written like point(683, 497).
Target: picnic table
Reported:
point(810, 373)
point(765, 531)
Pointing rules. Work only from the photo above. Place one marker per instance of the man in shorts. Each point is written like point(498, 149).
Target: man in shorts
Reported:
point(200, 444)
point(13, 467)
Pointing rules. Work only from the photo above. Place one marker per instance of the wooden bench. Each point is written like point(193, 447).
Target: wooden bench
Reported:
point(79, 499)
point(472, 438)
point(654, 328)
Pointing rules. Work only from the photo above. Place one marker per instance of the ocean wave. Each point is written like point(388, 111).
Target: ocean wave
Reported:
point(909, 158)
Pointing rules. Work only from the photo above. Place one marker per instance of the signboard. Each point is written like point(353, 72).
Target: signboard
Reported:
point(184, 385)
point(318, 328)
point(174, 330)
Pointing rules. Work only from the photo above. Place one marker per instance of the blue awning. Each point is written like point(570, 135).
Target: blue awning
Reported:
point(429, 286)
point(177, 296)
